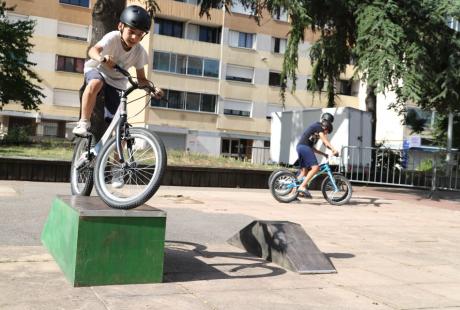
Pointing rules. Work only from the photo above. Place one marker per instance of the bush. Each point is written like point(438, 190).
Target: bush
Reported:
point(17, 135)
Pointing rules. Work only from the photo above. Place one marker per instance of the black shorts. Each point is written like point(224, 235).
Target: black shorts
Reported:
point(112, 95)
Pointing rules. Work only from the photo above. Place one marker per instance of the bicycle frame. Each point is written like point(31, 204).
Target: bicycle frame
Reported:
point(323, 169)
point(120, 118)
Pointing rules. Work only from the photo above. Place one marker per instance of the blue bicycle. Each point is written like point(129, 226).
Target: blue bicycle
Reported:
point(335, 187)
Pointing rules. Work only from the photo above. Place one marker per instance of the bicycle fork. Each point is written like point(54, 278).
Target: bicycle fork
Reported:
point(327, 169)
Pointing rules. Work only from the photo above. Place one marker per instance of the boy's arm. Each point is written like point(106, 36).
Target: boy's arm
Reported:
point(326, 142)
point(319, 152)
point(142, 81)
point(95, 53)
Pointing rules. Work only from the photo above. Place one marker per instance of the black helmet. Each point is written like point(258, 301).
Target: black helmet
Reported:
point(327, 125)
point(328, 117)
point(136, 17)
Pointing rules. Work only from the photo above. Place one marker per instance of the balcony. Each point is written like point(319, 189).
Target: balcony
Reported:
point(188, 12)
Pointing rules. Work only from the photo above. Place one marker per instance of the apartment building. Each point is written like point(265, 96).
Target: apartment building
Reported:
point(221, 74)
point(60, 41)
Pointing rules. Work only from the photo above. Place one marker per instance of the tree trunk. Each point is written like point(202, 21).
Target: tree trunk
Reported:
point(105, 17)
point(371, 106)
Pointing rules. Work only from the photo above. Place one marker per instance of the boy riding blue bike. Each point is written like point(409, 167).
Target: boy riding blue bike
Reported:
point(306, 150)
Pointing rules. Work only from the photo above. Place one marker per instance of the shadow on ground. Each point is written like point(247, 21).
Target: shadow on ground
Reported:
point(185, 261)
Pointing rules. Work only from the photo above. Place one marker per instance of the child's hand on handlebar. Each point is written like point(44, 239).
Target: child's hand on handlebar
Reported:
point(108, 61)
point(158, 93)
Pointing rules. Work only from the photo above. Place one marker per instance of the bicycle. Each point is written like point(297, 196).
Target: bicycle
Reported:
point(336, 189)
point(126, 168)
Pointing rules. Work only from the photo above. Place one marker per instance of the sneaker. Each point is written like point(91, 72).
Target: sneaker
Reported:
point(304, 193)
point(117, 177)
point(82, 128)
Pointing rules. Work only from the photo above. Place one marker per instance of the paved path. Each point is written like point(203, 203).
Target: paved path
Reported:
point(392, 248)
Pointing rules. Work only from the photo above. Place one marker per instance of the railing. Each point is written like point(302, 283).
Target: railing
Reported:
point(401, 167)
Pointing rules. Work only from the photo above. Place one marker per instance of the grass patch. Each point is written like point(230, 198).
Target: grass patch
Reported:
point(64, 151)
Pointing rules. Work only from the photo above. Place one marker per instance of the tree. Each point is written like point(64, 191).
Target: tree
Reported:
point(400, 46)
point(440, 131)
point(18, 82)
point(105, 17)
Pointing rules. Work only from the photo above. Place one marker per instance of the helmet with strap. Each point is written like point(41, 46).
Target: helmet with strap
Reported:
point(136, 17)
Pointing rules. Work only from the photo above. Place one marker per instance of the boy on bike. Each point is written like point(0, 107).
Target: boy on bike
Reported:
point(119, 47)
point(306, 149)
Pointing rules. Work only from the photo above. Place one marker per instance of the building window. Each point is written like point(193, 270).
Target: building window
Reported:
point(183, 64)
point(274, 79)
point(209, 34)
point(203, 33)
point(238, 7)
point(176, 99)
point(279, 45)
point(237, 148)
point(84, 3)
point(280, 14)
point(168, 28)
point(347, 87)
point(70, 64)
point(241, 39)
point(72, 31)
point(237, 108)
point(190, 101)
point(241, 74)
point(195, 66)
point(237, 112)
point(50, 129)
point(211, 68)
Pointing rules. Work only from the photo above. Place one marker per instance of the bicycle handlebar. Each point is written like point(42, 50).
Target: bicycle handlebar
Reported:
point(151, 88)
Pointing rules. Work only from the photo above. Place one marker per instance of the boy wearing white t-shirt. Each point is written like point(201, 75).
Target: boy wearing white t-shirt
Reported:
point(115, 48)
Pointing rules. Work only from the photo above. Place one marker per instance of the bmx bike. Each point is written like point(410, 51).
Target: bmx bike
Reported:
point(126, 167)
point(336, 189)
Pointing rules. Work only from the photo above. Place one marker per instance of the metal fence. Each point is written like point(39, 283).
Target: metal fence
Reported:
point(402, 167)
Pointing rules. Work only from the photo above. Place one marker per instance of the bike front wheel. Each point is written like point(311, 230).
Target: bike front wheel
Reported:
point(81, 168)
point(283, 186)
point(340, 197)
point(130, 184)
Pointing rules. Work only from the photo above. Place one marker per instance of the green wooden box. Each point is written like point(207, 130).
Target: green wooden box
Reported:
point(96, 245)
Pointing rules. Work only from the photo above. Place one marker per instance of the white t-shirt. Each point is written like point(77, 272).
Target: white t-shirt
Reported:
point(111, 45)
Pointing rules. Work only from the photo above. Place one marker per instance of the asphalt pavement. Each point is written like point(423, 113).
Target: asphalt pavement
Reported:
point(393, 248)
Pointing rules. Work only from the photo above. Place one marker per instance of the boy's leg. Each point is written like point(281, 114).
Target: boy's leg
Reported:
point(94, 84)
point(313, 170)
point(88, 100)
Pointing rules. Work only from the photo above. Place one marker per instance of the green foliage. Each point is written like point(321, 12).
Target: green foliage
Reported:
point(425, 166)
point(416, 123)
point(18, 82)
point(401, 46)
point(17, 135)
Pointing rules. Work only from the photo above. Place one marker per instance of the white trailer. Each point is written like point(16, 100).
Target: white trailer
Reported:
point(352, 128)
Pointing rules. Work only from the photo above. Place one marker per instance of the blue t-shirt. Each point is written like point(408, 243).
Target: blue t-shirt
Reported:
point(311, 135)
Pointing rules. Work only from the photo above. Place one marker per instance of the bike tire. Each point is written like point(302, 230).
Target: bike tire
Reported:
point(81, 179)
point(273, 174)
point(152, 173)
point(345, 190)
point(279, 187)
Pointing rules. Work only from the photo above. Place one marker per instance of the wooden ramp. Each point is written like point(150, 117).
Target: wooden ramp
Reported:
point(283, 243)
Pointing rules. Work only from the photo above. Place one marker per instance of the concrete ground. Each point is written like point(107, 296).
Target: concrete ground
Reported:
point(392, 248)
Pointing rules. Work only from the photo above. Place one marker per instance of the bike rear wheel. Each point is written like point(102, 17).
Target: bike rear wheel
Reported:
point(130, 184)
point(81, 168)
point(342, 196)
point(283, 186)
